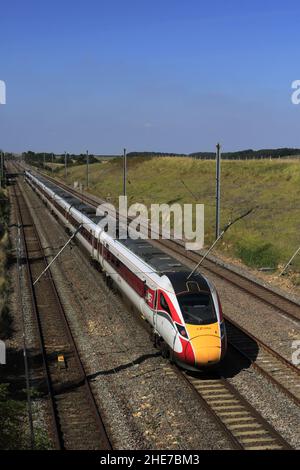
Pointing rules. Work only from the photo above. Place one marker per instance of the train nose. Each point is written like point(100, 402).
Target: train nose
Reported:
point(203, 350)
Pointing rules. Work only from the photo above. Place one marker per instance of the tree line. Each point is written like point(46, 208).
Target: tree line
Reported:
point(38, 159)
point(239, 155)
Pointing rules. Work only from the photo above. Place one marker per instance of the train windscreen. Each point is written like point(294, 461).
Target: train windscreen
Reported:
point(197, 309)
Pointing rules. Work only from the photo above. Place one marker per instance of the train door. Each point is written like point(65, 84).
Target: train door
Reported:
point(93, 240)
point(100, 251)
point(67, 217)
point(98, 248)
point(164, 324)
point(148, 305)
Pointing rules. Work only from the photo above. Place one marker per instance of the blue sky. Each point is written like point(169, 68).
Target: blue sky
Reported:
point(148, 75)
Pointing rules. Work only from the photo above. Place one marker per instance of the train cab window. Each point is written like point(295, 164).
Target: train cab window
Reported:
point(197, 309)
point(163, 303)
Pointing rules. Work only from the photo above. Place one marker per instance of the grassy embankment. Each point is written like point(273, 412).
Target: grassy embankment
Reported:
point(266, 238)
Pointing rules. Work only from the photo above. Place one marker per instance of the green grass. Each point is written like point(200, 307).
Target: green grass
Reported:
point(266, 238)
point(14, 430)
point(255, 252)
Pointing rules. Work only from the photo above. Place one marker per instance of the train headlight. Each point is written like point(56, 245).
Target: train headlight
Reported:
point(182, 331)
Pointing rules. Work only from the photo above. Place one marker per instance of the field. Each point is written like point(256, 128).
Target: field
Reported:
point(265, 239)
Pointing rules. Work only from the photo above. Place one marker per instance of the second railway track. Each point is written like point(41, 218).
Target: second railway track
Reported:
point(246, 428)
point(268, 362)
point(76, 422)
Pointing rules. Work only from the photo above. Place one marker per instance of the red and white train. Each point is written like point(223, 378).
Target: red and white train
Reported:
point(185, 315)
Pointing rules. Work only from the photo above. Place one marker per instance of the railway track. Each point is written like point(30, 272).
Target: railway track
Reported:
point(76, 421)
point(270, 363)
point(267, 361)
point(246, 428)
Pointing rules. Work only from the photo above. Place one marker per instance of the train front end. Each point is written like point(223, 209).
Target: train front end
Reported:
point(203, 333)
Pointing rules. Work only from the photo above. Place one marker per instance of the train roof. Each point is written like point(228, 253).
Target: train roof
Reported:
point(156, 258)
point(160, 261)
point(75, 202)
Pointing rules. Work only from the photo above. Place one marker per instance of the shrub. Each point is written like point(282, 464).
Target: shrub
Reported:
point(6, 323)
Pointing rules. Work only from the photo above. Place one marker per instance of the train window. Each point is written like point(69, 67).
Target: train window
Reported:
point(164, 304)
point(197, 309)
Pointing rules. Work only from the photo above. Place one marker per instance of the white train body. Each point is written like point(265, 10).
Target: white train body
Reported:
point(156, 295)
